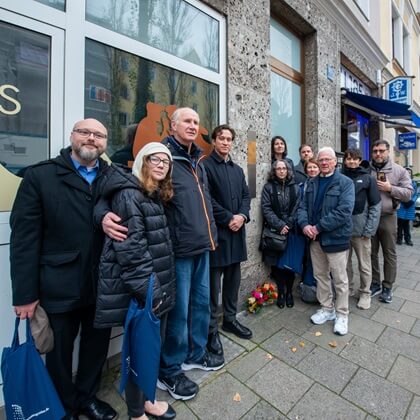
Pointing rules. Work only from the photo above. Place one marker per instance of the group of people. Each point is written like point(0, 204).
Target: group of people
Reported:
point(87, 236)
point(338, 211)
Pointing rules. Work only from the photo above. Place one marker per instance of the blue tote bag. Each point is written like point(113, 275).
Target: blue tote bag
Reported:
point(27, 387)
point(141, 346)
point(292, 257)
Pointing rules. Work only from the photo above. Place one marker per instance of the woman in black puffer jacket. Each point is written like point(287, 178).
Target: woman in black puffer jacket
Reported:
point(279, 202)
point(125, 267)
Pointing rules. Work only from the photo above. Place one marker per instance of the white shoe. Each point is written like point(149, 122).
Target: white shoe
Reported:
point(321, 316)
point(341, 325)
point(364, 301)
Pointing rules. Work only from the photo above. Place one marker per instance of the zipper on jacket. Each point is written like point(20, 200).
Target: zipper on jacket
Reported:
point(204, 206)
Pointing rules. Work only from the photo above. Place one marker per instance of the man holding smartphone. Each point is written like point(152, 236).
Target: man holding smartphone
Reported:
point(394, 186)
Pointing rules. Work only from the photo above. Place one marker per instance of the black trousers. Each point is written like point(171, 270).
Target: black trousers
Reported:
point(134, 396)
point(284, 279)
point(403, 230)
point(92, 356)
point(231, 281)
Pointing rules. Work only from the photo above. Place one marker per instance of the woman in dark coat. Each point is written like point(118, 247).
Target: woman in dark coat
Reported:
point(126, 266)
point(279, 151)
point(279, 202)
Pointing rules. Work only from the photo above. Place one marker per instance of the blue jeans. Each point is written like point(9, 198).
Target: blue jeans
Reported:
point(188, 322)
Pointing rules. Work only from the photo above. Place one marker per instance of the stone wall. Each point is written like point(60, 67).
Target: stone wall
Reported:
point(248, 87)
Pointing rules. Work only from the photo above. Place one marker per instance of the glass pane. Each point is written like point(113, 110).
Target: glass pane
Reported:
point(173, 26)
point(285, 46)
point(57, 4)
point(24, 97)
point(286, 113)
point(123, 90)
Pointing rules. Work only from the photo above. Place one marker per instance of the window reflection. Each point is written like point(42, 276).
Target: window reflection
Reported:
point(123, 90)
point(24, 97)
point(173, 26)
point(286, 112)
point(57, 4)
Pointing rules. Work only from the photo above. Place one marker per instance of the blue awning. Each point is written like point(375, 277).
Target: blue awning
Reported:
point(388, 110)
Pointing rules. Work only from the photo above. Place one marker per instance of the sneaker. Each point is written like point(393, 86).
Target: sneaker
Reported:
point(375, 289)
point(321, 316)
point(208, 362)
point(386, 295)
point(364, 301)
point(341, 325)
point(178, 386)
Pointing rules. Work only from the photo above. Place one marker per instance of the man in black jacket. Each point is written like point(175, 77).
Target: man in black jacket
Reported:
point(231, 204)
point(54, 254)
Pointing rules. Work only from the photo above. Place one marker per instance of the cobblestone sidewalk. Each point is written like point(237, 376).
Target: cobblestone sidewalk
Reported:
point(289, 370)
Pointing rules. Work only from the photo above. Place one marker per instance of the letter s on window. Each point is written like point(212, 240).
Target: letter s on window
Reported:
point(4, 95)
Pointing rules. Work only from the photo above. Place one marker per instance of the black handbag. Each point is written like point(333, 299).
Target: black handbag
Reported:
point(273, 241)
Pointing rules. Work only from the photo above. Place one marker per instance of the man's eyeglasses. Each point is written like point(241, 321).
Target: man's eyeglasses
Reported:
point(155, 161)
point(377, 151)
point(86, 134)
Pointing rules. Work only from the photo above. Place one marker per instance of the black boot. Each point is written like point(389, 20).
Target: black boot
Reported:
point(289, 300)
point(280, 300)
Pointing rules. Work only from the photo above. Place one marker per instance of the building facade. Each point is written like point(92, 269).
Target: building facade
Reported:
point(266, 67)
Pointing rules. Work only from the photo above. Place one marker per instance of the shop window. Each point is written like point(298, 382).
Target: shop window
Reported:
point(173, 26)
point(24, 97)
point(286, 87)
point(57, 4)
point(151, 100)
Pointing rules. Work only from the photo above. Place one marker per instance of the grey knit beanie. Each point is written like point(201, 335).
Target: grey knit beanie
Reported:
point(147, 150)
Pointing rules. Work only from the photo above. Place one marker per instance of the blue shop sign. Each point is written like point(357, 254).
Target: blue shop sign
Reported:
point(399, 90)
point(407, 141)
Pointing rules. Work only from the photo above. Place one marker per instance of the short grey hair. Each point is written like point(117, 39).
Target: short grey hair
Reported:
point(177, 114)
point(327, 150)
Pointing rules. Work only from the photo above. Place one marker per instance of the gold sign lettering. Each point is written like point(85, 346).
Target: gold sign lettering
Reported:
point(4, 95)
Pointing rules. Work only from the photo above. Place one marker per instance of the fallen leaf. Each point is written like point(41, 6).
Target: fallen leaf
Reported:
point(269, 356)
point(333, 344)
point(318, 334)
point(302, 344)
point(237, 397)
point(293, 349)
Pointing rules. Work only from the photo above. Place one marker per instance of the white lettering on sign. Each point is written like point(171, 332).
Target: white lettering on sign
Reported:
point(14, 101)
point(349, 81)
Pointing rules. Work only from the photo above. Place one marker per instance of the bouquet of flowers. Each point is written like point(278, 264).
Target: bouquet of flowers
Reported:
point(262, 295)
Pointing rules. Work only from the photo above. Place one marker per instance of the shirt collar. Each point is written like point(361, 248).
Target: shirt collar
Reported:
point(78, 165)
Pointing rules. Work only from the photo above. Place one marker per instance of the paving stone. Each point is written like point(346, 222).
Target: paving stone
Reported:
point(395, 305)
point(411, 295)
point(370, 356)
point(243, 368)
point(263, 411)
point(183, 412)
point(414, 410)
point(280, 385)
point(400, 342)
point(282, 343)
point(416, 329)
point(295, 321)
point(394, 319)
point(406, 373)
point(215, 399)
point(2, 414)
point(330, 370)
point(112, 396)
point(320, 403)
point(411, 308)
point(327, 336)
point(418, 285)
point(378, 396)
point(365, 328)
point(407, 281)
point(231, 349)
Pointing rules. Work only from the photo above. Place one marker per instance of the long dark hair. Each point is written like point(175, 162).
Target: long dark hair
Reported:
point(272, 175)
point(273, 140)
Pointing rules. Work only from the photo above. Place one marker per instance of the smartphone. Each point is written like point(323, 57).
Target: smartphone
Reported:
point(381, 176)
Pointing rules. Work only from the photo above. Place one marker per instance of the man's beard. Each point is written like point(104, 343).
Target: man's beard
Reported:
point(87, 155)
